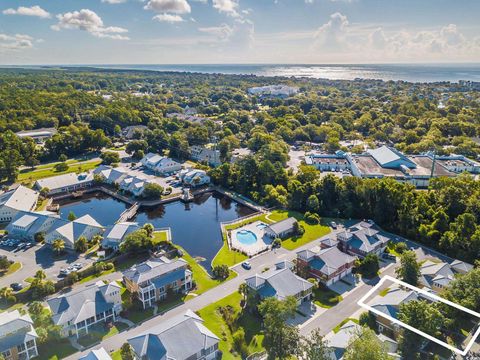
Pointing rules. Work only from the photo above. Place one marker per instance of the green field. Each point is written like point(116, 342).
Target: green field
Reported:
point(45, 171)
point(215, 322)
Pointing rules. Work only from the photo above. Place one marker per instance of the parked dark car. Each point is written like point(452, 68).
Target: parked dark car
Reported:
point(16, 286)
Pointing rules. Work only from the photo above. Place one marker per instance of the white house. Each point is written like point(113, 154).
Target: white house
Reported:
point(26, 224)
point(195, 177)
point(114, 235)
point(78, 311)
point(205, 154)
point(160, 164)
point(13, 201)
point(17, 336)
point(65, 183)
point(70, 231)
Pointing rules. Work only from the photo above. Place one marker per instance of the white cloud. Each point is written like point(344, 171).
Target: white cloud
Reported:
point(221, 33)
point(28, 11)
point(114, 1)
point(228, 7)
point(169, 18)
point(88, 20)
point(169, 6)
point(15, 42)
point(332, 35)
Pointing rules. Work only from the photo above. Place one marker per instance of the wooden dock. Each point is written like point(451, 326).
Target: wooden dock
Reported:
point(129, 213)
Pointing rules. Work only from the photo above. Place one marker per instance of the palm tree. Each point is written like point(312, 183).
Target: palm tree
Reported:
point(97, 239)
point(40, 275)
point(243, 290)
point(5, 293)
point(58, 245)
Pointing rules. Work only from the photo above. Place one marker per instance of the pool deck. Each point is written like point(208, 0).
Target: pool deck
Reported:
point(260, 245)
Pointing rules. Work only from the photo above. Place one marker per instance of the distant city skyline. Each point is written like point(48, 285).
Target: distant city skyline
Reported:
point(238, 31)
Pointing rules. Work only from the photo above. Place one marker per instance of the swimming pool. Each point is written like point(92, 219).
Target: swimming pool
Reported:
point(246, 237)
point(261, 226)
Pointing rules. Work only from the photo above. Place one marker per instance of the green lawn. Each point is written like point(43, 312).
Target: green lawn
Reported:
point(312, 232)
point(160, 236)
point(326, 298)
point(337, 328)
point(215, 322)
point(200, 276)
point(98, 333)
point(55, 350)
point(30, 176)
point(116, 355)
point(12, 268)
point(384, 291)
point(94, 276)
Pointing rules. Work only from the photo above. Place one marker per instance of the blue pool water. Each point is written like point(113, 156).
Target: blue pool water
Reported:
point(262, 226)
point(246, 237)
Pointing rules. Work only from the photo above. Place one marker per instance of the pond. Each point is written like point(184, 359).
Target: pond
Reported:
point(102, 207)
point(196, 226)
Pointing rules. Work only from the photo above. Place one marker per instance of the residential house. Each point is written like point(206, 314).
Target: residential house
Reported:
point(337, 342)
point(460, 267)
point(194, 177)
point(115, 234)
point(70, 231)
point(280, 282)
point(327, 265)
point(98, 354)
point(78, 311)
point(160, 164)
point(389, 304)
point(65, 183)
point(206, 154)
point(435, 275)
point(13, 201)
point(181, 337)
point(154, 278)
point(281, 229)
point(362, 239)
point(26, 224)
point(130, 131)
point(328, 162)
point(110, 175)
point(17, 336)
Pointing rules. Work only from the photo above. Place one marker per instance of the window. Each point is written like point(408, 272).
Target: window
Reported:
point(30, 343)
point(6, 354)
point(21, 347)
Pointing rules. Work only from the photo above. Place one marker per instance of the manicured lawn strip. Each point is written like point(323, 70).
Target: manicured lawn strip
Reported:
point(116, 355)
point(12, 268)
point(200, 276)
point(94, 276)
point(228, 257)
point(337, 328)
point(95, 335)
point(312, 232)
point(215, 322)
point(326, 298)
point(41, 204)
point(30, 176)
point(55, 350)
point(138, 314)
point(159, 236)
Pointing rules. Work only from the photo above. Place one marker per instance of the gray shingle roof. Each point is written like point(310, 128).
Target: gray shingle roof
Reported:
point(99, 354)
point(152, 269)
point(80, 305)
point(279, 282)
point(22, 198)
point(177, 338)
point(329, 260)
point(282, 226)
point(18, 327)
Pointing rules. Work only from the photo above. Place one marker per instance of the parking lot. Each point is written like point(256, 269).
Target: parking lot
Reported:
point(35, 257)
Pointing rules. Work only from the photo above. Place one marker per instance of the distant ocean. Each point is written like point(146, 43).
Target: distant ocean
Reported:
point(405, 72)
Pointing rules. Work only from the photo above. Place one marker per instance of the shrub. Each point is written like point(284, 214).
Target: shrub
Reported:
point(239, 343)
point(401, 247)
point(221, 272)
point(312, 218)
point(61, 167)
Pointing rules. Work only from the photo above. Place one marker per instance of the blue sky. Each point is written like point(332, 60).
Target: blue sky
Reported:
point(238, 31)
